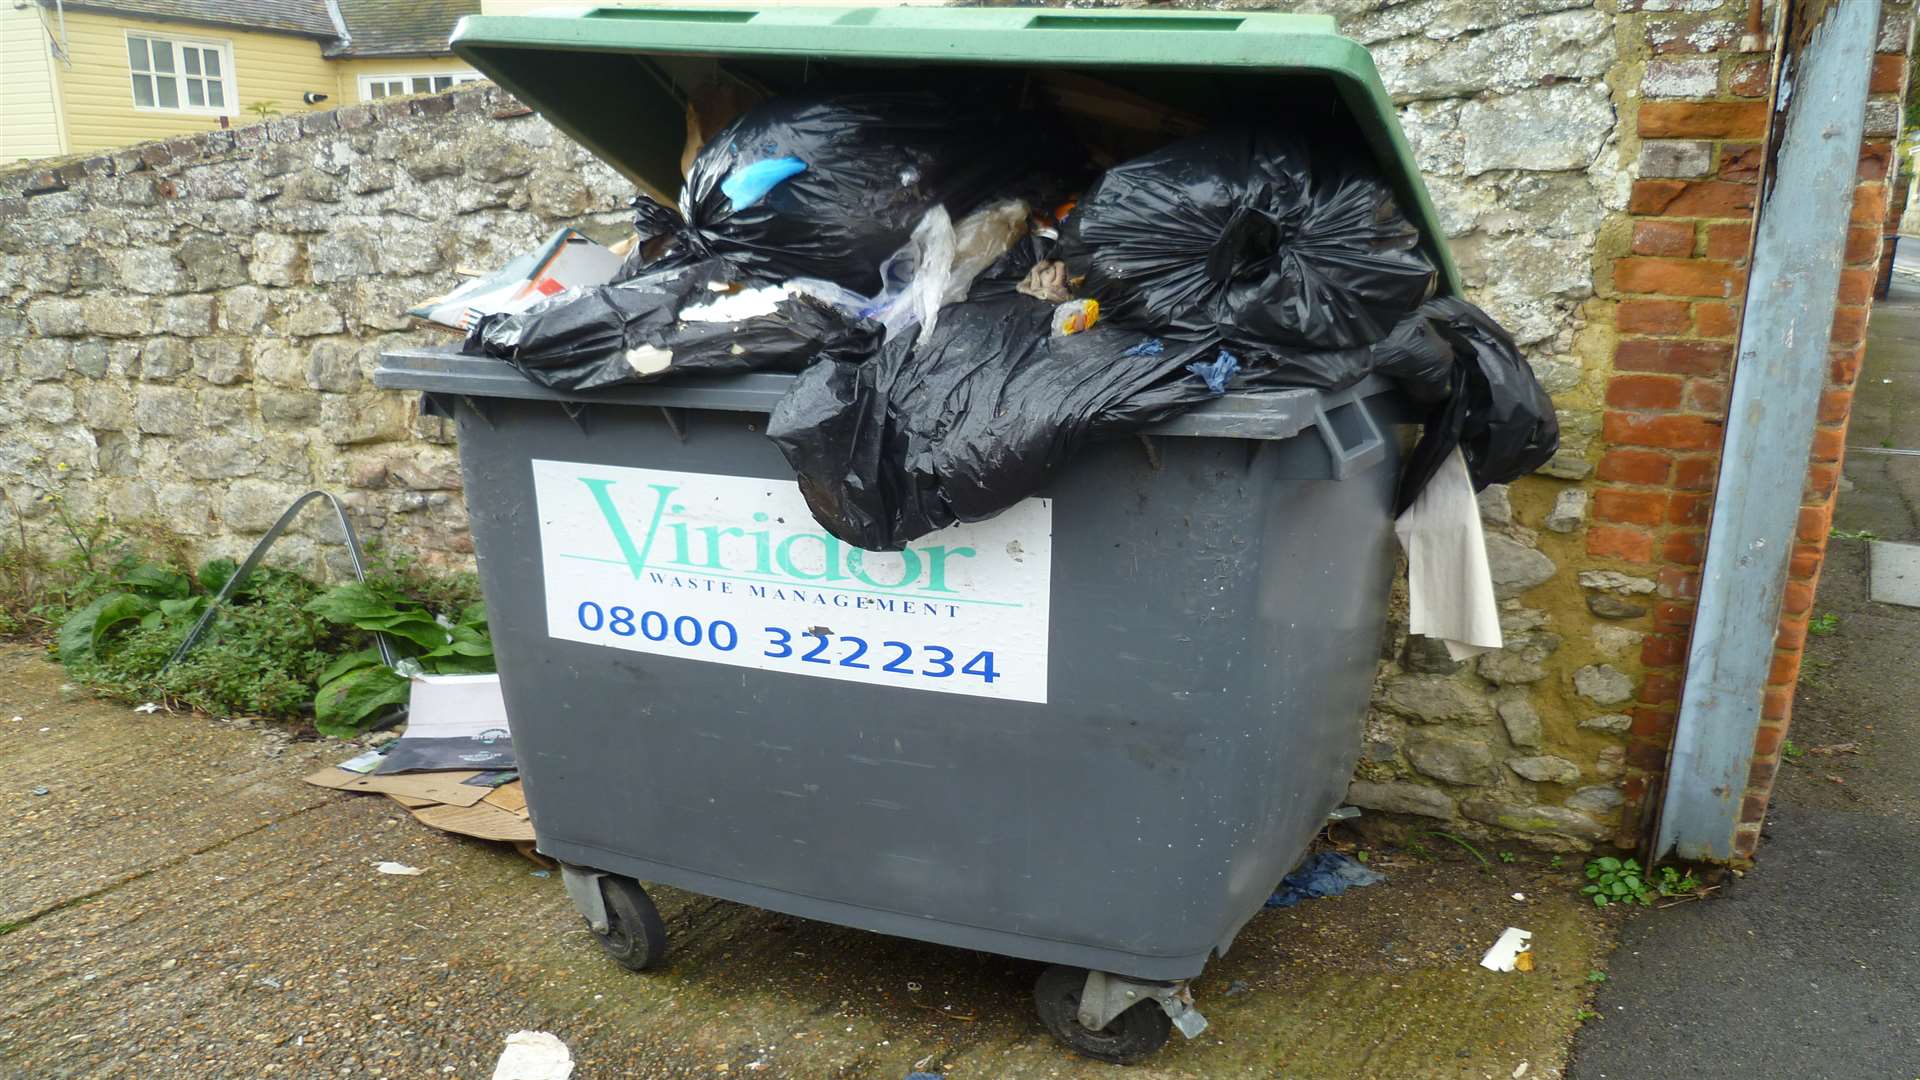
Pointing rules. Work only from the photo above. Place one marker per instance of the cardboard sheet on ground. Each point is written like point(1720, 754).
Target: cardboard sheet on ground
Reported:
point(508, 797)
point(453, 722)
point(439, 787)
point(481, 820)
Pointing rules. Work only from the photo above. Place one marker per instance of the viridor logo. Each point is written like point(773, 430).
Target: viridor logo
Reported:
point(767, 553)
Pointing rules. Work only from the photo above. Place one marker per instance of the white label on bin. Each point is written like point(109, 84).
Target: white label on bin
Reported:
point(734, 570)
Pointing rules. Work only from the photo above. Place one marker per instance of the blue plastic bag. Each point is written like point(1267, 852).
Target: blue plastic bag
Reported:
point(1327, 874)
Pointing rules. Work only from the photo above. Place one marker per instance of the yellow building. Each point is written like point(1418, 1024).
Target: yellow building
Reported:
point(79, 76)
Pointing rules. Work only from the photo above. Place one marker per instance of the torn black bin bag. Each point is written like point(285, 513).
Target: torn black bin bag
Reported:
point(1498, 414)
point(972, 422)
point(612, 335)
point(1252, 237)
point(828, 187)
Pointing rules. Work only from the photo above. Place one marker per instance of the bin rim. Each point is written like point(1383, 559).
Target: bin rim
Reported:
point(1266, 415)
point(505, 48)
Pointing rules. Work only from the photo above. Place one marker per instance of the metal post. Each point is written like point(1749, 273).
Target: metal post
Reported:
point(1820, 93)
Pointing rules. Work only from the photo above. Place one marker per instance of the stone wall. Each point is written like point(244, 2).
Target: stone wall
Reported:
point(188, 327)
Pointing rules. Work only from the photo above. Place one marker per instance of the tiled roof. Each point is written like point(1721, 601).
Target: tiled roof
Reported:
point(307, 17)
point(400, 27)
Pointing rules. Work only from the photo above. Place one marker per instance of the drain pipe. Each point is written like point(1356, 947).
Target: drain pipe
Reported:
point(1821, 67)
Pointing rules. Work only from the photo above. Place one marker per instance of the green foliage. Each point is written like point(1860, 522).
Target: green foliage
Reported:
point(1470, 849)
point(1556, 862)
point(1822, 625)
point(1596, 976)
point(1675, 883)
point(356, 689)
point(1509, 857)
point(1794, 751)
point(1853, 534)
point(1617, 881)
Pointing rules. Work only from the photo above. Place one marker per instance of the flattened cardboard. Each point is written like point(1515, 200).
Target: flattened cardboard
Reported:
point(508, 797)
point(440, 787)
point(410, 802)
point(481, 821)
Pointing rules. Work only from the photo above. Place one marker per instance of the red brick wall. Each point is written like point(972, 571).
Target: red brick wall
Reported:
point(1678, 291)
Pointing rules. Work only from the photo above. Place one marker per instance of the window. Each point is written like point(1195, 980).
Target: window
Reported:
point(399, 85)
point(179, 75)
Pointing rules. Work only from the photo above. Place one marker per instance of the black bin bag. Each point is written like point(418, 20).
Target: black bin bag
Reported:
point(1252, 237)
point(970, 423)
point(829, 186)
point(1497, 413)
point(612, 335)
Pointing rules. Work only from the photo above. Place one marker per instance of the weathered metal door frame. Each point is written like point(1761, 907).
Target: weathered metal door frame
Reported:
point(1820, 92)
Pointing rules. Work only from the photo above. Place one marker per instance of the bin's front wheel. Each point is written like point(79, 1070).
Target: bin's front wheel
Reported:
point(635, 937)
point(1132, 1036)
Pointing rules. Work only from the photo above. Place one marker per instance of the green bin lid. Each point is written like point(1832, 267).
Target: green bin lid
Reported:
point(617, 79)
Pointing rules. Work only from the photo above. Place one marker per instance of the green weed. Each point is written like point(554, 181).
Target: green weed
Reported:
point(1617, 881)
point(1852, 534)
point(1822, 625)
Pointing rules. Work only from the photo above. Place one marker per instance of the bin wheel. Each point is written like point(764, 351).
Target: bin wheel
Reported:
point(635, 937)
point(1130, 1037)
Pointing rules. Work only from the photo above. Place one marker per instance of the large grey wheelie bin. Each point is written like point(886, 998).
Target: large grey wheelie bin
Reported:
point(1094, 731)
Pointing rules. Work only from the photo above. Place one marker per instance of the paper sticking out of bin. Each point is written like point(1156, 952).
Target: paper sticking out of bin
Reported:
point(567, 260)
point(453, 722)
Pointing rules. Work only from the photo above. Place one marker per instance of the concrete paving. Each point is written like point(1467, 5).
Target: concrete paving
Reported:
point(178, 904)
point(1810, 965)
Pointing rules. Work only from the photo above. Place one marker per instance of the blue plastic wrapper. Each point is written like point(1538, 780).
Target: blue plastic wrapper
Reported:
point(1327, 874)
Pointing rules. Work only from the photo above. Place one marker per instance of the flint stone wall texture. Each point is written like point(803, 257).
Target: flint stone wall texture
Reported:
point(188, 328)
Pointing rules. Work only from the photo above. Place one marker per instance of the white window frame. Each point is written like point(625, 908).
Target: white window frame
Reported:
point(229, 88)
point(465, 75)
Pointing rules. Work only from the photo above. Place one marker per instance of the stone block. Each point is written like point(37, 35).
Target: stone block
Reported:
point(90, 358)
point(342, 256)
point(1548, 128)
point(1515, 566)
point(287, 408)
point(1569, 511)
point(187, 316)
point(252, 506)
point(554, 193)
point(166, 410)
point(211, 262)
point(1603, 684)
point(1514, 55)
point(223, 457)
point(106, 406)
point(493, 161)
point(220, 361)
point(345, 421)
point(57, 318)
point(244, 310)
point(1429, 656)
point(1401, 799)
point(279, 363)
point(1600, 800)
point(277, 260)
point(48, 402)
point(1692, 77)
point(1610, 763)
point(1545, 769)
point(1610, 724)
point(1522, 722)
point(382, 303)
point(117, 316)
point(1617, 581)
point(149, 270)
point(1547, 820)
point(44, 360)
point(164, 358)
point(1451, 758)
point(1670, 159)
point(1616, 642)
point(314, 316)
point(1433, 699)
point(1496, 507)
point(333, 367)
point(410, 251)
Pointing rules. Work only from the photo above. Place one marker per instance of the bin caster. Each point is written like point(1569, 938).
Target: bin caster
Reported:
point(621, 916)
point(1112, 1018)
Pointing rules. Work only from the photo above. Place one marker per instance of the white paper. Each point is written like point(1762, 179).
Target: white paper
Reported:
point(734, 570)
point(534, 1055)
point(1506, 949)
point(1449, 585)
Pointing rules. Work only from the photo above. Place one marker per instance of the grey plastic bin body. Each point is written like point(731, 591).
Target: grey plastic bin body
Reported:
point(1217, 604)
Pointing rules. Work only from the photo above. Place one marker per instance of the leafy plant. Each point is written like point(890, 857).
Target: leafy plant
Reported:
point(1509, 857)
point(1794, 751)
point(264, 109)
point(355, 689)
point(1822, 625)
point(1556, 862)
point(1617, 881)
point(1596, 976)
point(1675, 883)
point(1853, 534)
